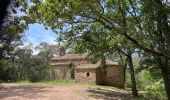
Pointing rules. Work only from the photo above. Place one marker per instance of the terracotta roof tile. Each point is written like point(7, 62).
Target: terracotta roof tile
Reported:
point(71, 56)
point(57, 64)
point(88, 65)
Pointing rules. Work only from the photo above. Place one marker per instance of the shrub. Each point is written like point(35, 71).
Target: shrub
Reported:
point(157, 91)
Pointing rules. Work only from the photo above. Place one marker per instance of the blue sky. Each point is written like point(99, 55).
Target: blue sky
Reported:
point(37, 34)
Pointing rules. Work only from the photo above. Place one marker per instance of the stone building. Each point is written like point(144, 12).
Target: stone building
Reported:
point(80, 68)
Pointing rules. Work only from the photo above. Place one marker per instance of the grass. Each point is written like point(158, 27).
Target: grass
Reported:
point(58, 83)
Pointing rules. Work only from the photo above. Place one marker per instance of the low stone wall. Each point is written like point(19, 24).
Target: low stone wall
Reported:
point(85, 75)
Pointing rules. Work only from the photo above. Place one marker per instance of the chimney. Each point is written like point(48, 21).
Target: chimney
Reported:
point(62, 51)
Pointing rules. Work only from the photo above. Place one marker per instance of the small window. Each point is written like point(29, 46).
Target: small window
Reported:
point(88, 74)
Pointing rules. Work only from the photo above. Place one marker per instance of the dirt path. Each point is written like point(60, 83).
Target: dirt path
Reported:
point(15, 91)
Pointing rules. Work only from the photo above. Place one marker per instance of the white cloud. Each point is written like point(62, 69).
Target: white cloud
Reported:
point(37, 34)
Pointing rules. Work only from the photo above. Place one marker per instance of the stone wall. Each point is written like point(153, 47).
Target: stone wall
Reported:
point(85, 75)
point(114, 76)
point(62, 72)
point(100, 76)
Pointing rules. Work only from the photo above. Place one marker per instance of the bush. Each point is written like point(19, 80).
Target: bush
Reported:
point(7, 71)
point(128, 80)
point(154, 87)
point(157, 91)
point(143, 79)
point(34, 78)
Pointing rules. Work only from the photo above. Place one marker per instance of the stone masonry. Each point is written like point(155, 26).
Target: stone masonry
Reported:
point(79, 68)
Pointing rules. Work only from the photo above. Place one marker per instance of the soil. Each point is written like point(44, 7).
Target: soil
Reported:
point(20, 91)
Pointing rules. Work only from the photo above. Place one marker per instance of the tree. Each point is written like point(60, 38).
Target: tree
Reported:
point(10, 37)
point(47, 51)
point(67, 14)
point(158, 28)
point(21, 59)
point(101, 44)
point(29, 66)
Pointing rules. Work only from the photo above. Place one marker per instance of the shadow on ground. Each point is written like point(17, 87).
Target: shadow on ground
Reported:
point(105, 94)
point(76, 92)
point(23, 91)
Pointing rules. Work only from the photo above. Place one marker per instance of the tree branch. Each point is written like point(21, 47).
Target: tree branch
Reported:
point(140, 46)
point(121, 51)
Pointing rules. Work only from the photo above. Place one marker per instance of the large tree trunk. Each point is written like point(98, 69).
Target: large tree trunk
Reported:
point(166, 78)
point(165, 70)
point(133, 81)
point(166, 67)
point(164, 28)
point(124, 69)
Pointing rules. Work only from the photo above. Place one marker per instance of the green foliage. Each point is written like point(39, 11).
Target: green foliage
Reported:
point(24, 65)
point(143, 79)
point(39, 70)
point(47, 51)
point(140, 26)
point(148, 79)
point(157, 91)
point(128, 81)
point(10, 36)
point(154, 87)
point(7, 71)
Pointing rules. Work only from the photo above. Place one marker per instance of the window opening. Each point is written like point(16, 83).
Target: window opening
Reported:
point(88, 74)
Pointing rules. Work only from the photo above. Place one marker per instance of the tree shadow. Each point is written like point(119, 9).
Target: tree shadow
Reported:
point(24, 91)
point(105, 94)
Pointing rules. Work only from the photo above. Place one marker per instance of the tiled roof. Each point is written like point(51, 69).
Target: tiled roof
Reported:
point(88, 65)
point(60, 64)
point(70, 56)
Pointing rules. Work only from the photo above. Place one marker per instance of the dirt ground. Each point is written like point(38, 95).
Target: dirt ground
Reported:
point(18, 91)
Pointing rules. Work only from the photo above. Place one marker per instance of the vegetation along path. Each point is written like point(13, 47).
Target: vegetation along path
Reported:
point(29, 91)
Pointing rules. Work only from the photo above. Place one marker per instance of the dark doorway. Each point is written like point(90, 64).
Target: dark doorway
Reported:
point(88, 74)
